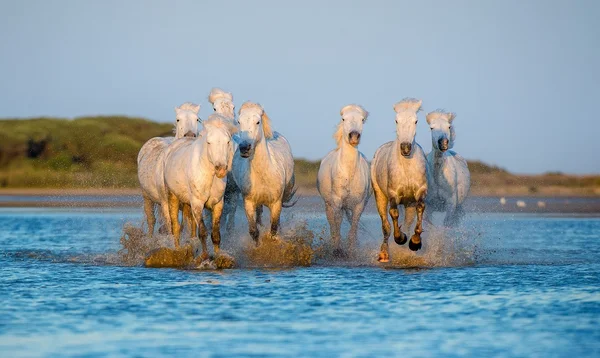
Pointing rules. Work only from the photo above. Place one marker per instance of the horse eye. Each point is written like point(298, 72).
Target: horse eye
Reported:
point(416, 122)
point(257, 123)
point(178, 120)
point(396, 121)
point(342, 119)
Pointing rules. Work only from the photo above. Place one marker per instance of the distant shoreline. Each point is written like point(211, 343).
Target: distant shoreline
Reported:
point(309, 200)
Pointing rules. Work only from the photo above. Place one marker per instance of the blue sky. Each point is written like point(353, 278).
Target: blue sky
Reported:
point(522, 76)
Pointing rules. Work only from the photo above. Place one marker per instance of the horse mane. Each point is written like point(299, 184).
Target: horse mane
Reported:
point(266, 121)
point(217, 93)
point(189, 106)
point(355, 108)
point(408, 104)
point(338, 135)
point(218, 121)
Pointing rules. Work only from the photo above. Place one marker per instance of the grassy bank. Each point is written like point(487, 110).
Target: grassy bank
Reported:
point(101, 152)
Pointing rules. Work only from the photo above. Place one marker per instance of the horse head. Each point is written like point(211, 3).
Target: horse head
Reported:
point(254, 126)
point(222, 103)
point(406, 123)
point(187, 120)
point(350, 128)
point(442, 132)
point(217, 134)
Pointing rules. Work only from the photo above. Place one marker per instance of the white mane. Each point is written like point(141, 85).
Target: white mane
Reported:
point(408, 104)
point(217, 93)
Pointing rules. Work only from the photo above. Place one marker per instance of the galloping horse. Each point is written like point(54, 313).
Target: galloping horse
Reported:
point(398, 173)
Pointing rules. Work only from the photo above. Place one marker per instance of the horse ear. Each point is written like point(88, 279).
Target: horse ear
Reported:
point(451, 117)
point(196, 108)
point(177, 110)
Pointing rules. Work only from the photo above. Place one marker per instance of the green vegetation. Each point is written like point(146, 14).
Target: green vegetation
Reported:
point(101, 152)
point(80, 153)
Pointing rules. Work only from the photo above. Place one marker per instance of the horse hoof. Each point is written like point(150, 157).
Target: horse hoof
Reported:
point(205, 256)
point(414, 246)
point(402, 239)
point(383, 257)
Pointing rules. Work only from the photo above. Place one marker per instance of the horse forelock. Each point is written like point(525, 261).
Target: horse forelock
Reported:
point(189, 106)
point(219, 121)
point(408, 104)
point(355, 108)
point(217, 93)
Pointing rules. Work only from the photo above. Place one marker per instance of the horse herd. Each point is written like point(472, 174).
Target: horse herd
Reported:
point(204, 173)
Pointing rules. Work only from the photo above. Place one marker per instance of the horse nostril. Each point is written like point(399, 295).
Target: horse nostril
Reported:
point(405, 148)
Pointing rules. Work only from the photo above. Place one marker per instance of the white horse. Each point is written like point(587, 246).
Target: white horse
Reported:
point(344, 180)
point(264, 168)
point(150, 162)
point(222, 103)
point(448, 174)
point(195, 174)
point(398, 173)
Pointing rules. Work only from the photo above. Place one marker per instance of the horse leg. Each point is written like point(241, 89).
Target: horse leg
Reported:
point(356, 213)
point(250, 208)
point(197, 211)
point(229, 210)
point(275, 210)
point(415, 240)
point(151, 219)
point(399, 236)
point(334, 229)
point(217, 211)
point(259, 211)
point(174, 213)
point(189, 220)
point(382, 202)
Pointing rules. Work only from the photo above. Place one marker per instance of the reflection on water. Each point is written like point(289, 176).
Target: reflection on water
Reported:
point(503, 284)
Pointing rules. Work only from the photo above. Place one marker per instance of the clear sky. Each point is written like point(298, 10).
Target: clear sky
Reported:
point(523, 76)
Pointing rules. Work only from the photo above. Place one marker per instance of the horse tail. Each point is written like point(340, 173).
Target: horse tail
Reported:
point(289, 194)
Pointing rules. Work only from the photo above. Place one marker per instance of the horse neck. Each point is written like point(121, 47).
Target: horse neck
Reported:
point(200, 156)
point(261, 159)
point(349, 156)
point(438, 159)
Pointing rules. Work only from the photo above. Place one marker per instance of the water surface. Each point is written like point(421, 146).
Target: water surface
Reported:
point(506, 284)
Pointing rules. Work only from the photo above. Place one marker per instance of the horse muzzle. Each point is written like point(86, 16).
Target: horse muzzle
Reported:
point(405, 149)
point(190, 134)
point(245, 149)
point(221, 171)
point(443, 144)
point(354, 138)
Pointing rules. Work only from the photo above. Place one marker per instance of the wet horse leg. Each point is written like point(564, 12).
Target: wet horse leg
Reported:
point(381, 201)
point(275, 210)
point(189, 220)
point(217, 212)
point(356, 213)
point(202, 233)
point(399, 236)
point(250, 208)
point(334, 225)
point(415, 240)
point(174, 213)
point(150, 217)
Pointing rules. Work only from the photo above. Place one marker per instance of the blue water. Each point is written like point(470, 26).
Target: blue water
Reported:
point(530, 286)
